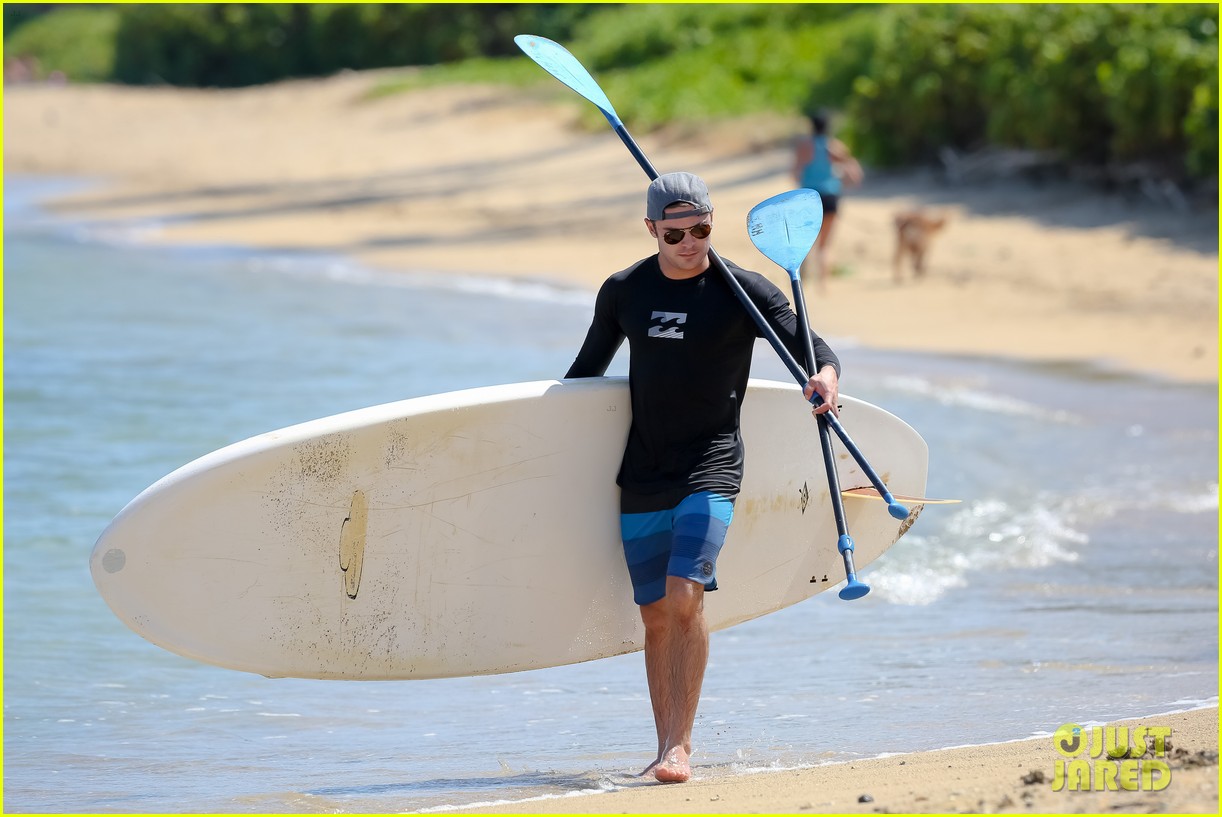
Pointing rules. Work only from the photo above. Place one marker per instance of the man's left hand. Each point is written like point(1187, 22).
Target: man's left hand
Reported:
point(827, 385)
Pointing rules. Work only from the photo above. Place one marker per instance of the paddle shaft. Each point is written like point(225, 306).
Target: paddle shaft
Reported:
point(844, 542)
point(825, 437)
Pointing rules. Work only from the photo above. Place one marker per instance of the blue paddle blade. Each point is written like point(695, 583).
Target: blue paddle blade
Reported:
point(785, 227)
point(556, 60)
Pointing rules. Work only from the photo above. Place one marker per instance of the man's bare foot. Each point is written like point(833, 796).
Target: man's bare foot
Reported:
point(674, 767)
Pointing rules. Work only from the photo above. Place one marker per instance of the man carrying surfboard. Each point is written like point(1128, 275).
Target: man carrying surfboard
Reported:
point(690, 343)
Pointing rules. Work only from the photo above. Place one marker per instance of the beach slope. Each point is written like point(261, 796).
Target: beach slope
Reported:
point(498, 182)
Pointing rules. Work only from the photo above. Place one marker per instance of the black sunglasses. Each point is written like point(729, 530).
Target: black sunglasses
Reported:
point(675, 234)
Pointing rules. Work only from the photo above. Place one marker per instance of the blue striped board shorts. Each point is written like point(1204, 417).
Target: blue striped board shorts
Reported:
point(683, 541)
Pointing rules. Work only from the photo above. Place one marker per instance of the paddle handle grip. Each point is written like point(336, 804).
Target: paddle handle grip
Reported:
point(852, 589)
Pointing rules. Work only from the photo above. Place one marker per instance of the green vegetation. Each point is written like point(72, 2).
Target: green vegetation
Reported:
point(78, 41)
point(1097, 84)
point(719, 61)
point(519, 73)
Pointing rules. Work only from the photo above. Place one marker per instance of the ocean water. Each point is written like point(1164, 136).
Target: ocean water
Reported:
point(1076, 582)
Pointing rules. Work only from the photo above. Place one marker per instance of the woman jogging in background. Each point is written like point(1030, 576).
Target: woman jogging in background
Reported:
point(822, 163)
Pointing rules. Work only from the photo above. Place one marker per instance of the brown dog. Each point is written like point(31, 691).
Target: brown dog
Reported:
point(914, 231)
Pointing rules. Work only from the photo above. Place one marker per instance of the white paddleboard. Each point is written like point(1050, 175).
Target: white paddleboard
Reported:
point(468, 533)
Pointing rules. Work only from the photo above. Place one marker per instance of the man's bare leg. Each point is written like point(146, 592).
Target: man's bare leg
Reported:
point(659, 688)
point(823, 252)
point(676, 654)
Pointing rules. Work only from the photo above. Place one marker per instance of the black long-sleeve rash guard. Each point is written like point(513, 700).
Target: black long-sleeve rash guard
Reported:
point(690, 343)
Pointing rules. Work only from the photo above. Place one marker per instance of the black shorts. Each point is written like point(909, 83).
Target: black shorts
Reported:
point(830, 202)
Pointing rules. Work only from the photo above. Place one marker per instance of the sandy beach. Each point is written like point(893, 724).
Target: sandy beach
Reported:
point(999, 778)
point(489, 182)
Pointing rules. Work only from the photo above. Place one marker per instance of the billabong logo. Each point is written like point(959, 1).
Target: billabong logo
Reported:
point(667, 325)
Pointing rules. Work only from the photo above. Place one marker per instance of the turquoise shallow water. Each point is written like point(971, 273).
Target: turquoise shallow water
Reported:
point(1076, 582)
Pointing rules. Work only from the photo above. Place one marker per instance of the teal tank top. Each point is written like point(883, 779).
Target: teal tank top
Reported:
point(818, 175)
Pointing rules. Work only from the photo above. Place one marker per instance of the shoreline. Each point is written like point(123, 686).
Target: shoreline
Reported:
point(510, 286)
point(498, 184)
point(1012, 776)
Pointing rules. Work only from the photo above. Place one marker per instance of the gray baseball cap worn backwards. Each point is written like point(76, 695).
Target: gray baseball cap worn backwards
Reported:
point(677, 188)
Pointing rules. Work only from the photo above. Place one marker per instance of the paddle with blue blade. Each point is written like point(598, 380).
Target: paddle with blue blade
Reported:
point(557, 61)
point(784, 228)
